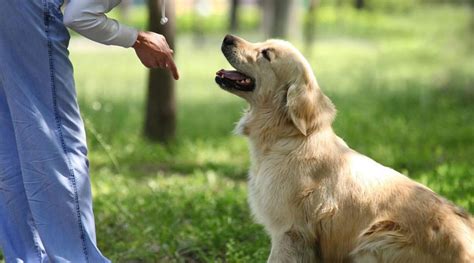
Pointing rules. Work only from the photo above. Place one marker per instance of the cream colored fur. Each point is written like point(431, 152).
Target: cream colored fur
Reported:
point(319, 200)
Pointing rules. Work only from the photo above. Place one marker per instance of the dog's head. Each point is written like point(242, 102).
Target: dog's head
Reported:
point(274, 75)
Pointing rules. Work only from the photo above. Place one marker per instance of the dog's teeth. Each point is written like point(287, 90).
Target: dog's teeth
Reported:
point(247, 80)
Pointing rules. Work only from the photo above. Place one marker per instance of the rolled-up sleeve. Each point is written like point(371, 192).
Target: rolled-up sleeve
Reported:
point(87, 17)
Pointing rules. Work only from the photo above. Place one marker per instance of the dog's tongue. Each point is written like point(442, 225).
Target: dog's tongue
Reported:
point(231, 74)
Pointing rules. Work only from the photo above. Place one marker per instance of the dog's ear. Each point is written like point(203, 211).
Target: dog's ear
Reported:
point(300, 101)
point(308, 107)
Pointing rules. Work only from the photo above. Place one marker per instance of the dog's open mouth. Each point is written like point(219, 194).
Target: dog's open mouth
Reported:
point(232, 79)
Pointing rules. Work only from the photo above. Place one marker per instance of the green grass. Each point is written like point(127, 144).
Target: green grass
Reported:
point(403, 85)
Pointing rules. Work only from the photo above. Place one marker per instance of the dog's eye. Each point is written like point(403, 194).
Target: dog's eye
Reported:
point(266, 54)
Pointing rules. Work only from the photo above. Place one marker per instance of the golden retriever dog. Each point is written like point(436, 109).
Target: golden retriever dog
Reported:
point(319, 200)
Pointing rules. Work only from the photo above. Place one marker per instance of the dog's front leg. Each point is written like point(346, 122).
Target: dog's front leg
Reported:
point(293, 247)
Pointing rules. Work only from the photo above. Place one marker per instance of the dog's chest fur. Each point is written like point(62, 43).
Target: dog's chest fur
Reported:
point(271, 195)
point(280, 191)
point(285, 188)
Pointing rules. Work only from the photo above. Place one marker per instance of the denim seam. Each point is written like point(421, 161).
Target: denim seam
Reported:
point(34, 233)
point(72, 178)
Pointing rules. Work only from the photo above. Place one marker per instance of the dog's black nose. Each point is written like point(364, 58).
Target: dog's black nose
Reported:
point(229, 40)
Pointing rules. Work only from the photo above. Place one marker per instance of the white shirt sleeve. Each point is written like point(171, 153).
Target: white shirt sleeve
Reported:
point(87, 17)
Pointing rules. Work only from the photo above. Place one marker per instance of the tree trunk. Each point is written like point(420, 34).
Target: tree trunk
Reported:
point(160, 119)
point(234, 21)
point(310, 26)
point(276, 16)
point(359, 4)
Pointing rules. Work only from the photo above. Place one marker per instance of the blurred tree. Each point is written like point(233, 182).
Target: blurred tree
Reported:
point(359, 4)
point(234, 21)
point(276, 17)
point(201, 10)
point(160, 118)
point(310, 25)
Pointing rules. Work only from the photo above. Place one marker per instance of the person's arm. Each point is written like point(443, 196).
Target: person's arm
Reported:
point(87, 17)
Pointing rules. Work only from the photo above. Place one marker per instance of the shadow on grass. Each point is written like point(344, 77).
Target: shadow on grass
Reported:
point(177, 219)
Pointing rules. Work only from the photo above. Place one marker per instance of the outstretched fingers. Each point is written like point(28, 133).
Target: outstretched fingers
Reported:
point(154, 52)
point(171, 65)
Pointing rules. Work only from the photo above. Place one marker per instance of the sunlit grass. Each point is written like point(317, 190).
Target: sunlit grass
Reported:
point(403, 85)
point(404, 97)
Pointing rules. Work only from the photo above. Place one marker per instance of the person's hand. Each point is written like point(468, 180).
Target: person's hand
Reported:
point(154, 52)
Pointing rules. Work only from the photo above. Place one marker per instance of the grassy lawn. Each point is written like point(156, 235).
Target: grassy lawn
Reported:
point(403, 85)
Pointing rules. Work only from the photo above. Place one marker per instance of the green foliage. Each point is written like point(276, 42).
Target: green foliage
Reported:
point(403, 85)
point(391, 5)
point(403, 88)
point(388, 6)
point(249, 19)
